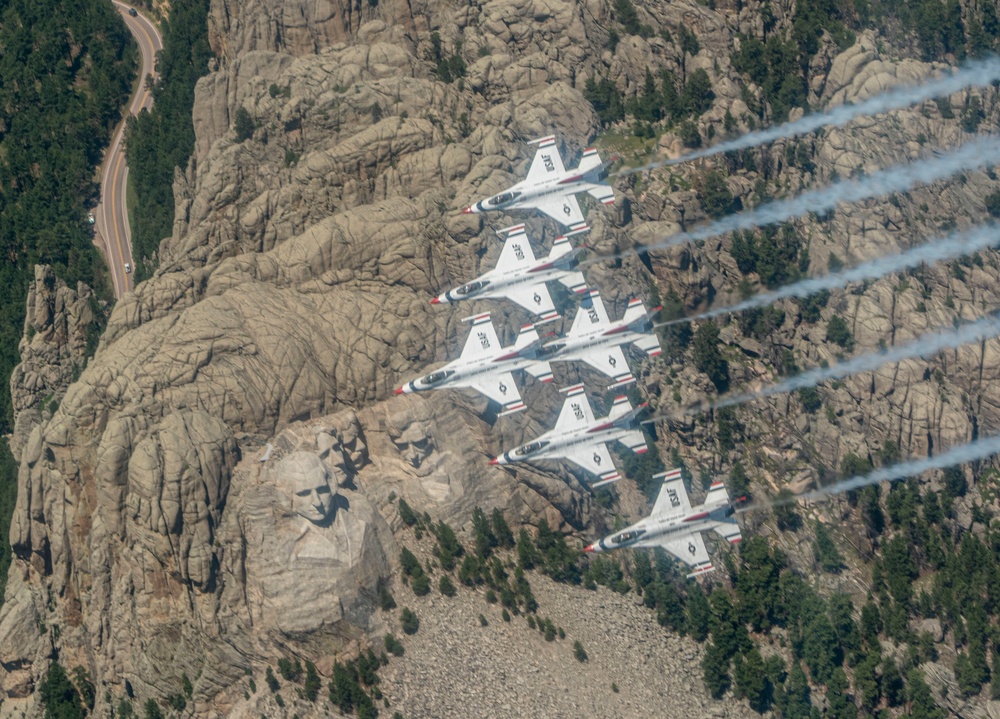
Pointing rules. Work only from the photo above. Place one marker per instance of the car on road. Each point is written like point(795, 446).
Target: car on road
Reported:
point(128, 268)
point(133, 12)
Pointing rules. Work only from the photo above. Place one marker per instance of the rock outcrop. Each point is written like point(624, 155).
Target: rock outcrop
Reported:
point(59, 324)
point(158, 537)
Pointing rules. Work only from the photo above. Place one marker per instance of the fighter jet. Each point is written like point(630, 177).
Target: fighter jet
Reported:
point(518, 276)
point(598, 341)
point(677, 527)
point(583, 440)
point(552, 188)
point(486, 367)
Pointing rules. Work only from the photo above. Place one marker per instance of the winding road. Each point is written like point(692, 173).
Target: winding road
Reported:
point(111, 215)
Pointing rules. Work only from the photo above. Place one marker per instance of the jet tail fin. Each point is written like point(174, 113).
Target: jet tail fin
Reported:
point(527, 336)
point(562, 246)
point(620, 408)
point(717, 495)
point(636, 310)
point(590, 161)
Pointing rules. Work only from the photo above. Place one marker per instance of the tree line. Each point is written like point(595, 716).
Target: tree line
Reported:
point(67, 69)
point(159, 141)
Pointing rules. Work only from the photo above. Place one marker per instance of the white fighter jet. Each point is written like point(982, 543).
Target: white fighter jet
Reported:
point(598, 341)
point(486, 367)
point(518, 276)
point(583, 440)
point(677, 527)
point(551, 188)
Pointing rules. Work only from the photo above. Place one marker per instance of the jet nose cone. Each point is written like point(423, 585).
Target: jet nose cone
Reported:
point(435, 300)
point(398, 390)
point(468, 210)
point(494, 461)
point(589, 548)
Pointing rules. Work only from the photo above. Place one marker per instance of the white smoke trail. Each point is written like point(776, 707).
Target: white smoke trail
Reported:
point(938, 249)
point(923, 346)
point(979, 449)
point(976, 73)
point(971, 156)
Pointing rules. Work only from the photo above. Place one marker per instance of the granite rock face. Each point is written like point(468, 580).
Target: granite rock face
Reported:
point(217, 488)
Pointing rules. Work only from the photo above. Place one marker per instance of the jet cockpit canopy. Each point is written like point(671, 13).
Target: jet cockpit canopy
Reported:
point(629, 536)
point(503, 198)
point(436, 377)
point(530, 448)
point(471, 288)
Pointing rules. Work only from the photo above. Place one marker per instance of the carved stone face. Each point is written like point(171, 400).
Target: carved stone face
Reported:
point(307, 481)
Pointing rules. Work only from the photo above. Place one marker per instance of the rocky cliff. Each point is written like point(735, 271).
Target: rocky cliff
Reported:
point(158, 537)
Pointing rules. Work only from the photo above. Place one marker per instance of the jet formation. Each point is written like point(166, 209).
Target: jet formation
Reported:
point(578, 437)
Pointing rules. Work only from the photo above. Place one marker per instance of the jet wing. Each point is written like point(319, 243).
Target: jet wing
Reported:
point(548, 162)
point(501, 389)
point(561, 208)
point(673, 496)
point(516, 252)
point(482, 341)
point(594, 458)
point(689, 549)
point(534, 298)
point(602, 192)
point(610, 361)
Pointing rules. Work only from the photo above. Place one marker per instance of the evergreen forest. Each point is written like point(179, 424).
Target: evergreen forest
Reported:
point(159, 141)
point(67, 68)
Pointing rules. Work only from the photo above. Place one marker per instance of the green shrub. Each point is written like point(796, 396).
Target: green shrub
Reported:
point(708, 358)
point(272, 681)
point(811, 399)
point(409, 621)
point(152, 710)
point(421, 585)
point(993, 203)
point(407, 514)
point(312, 684)
point(838, 332)
point(59, 697)
point(385, 599)
point(243, 125)
point(715, 196)
point(394, 646)
point(445, 586)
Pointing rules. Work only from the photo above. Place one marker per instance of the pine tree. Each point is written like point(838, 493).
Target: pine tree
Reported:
point(698, 613)
point(527, 554)
point(841, 705)
point(715, 669)
point(708, 358)
point(752, 681)
point(922, 704)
